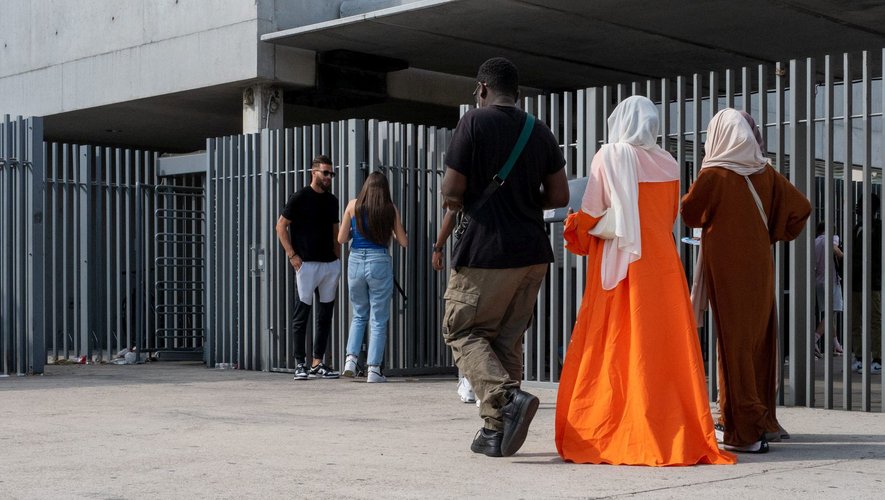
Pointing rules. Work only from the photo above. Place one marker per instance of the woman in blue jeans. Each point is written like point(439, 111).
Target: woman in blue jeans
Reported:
point(371, 220)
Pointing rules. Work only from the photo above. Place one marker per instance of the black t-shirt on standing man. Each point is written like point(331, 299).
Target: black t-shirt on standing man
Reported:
point(508, 230)
point(313, 217)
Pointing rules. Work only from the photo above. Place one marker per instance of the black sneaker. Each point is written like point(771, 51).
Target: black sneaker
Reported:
point(301, 372)
point(487, 442)
point(517, 416)
point(322, 371)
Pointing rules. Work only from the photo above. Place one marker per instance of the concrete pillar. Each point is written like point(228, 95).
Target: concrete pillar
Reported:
point(262, 108)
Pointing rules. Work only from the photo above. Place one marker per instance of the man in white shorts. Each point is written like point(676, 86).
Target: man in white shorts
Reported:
point(308, 231)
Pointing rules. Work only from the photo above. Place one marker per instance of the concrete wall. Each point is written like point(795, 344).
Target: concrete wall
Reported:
point(58, 55)
point(293, 13)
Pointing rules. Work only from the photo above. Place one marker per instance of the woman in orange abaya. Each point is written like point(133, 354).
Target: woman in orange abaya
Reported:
point(632, 386)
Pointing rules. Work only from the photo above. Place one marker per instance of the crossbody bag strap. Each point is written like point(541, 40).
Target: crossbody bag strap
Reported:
point(501, 176)
point(758, 202)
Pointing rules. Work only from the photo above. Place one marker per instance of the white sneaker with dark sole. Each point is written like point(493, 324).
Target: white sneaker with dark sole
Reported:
point(349, 367)
point(301, 372)
point(322, 371)
point(374, 376)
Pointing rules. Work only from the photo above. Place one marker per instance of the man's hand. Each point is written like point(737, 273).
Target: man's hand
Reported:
point(296, 262)
point(437, 261)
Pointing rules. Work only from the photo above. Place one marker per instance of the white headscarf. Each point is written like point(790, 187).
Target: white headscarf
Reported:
point(732, 144)
point(633, 124)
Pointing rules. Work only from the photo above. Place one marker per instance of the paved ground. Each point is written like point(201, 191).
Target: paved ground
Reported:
point(181, 431)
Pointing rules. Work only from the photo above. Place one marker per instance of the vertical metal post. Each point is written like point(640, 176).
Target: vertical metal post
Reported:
point(264, 333)
point(866, 322)
point(881, 326)
point(729, 89)
point(779, 253)
point(553, 274)
point(210, 235)
point(37, 306)
point(848, 236)
point(84, 183)
point(829, 217)
point(684, 174)
point(141, 281)
point(799, 248)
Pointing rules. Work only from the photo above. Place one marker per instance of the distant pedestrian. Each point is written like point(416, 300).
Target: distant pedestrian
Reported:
point(820, 263)
point(307, 230)
point(370, 221)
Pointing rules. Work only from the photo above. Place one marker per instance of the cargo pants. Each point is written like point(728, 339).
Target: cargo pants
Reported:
point(486, 315)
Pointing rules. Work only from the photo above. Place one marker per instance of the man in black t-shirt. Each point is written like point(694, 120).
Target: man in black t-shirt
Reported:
point(502, 257)
point(308, 231)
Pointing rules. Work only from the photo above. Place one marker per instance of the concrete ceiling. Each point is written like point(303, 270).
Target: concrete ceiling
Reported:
point(568, 44)
point(557, 44)
point(171, 123)
point(181, 122)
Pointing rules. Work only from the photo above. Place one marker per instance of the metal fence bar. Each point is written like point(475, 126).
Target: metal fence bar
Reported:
point(868, 298)
point(22, 243)
point(881, 149)
point(83, 294)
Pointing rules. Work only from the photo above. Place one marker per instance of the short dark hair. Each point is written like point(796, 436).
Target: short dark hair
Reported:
point(321, 160)
point(500, 75)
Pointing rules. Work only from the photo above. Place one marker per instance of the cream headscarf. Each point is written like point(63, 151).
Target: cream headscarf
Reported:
point(733, 144)
point(633, 124)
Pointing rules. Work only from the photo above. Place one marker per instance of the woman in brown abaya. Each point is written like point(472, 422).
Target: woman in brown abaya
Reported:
point(743, 206)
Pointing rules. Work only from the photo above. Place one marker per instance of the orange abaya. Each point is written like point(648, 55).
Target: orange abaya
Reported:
point(632, 386)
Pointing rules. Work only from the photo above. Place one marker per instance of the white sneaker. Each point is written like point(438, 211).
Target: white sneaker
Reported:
point(719, 431)
point(875, 368)
point(350, 366)
point(856, 365)
point(465, 391)
point(375, 376)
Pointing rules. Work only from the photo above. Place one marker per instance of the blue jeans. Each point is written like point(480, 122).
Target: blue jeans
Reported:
point(370, 280)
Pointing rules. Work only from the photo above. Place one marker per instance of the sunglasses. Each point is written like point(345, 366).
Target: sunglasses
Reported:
point(478, 88)
point(326, 173)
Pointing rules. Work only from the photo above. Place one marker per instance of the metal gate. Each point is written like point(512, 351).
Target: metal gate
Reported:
point(93, 231)
point(252, 288)
point(173, 285)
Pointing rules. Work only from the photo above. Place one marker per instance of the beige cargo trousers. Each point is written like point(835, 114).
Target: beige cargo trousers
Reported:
point(487, 313)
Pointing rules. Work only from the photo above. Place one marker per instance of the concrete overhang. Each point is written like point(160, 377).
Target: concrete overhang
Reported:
point(570, 44)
